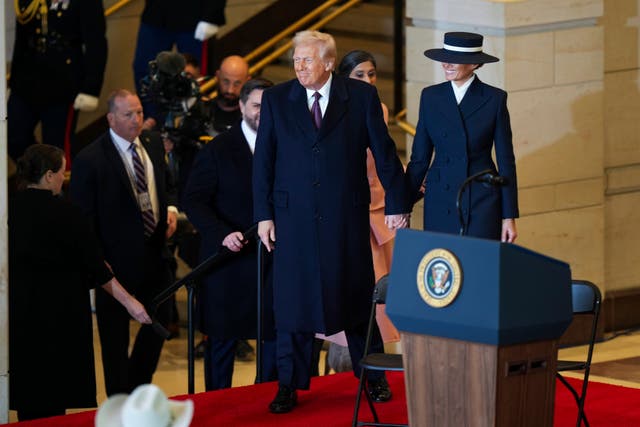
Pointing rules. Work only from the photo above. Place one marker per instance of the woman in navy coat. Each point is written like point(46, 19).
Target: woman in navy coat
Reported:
point(462, 120)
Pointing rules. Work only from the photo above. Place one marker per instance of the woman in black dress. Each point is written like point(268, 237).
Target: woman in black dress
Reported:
point(54, 260)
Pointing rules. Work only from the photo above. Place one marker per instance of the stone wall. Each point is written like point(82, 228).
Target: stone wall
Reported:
point(622, 143)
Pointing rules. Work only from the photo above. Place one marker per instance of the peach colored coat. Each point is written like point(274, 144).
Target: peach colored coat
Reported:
point(382, 240)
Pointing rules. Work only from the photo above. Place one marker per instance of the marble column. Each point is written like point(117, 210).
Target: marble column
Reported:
point(4, 295)
point(621, 22)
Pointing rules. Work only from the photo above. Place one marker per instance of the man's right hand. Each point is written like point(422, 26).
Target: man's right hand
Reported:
point(234, 241)
point(267, 233)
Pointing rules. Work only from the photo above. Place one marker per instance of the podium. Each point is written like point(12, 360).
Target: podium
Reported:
point(480, 322)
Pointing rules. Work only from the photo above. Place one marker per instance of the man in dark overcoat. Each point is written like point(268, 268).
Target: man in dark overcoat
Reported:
point(311, 199)
point(106, 185)
point(219, 204)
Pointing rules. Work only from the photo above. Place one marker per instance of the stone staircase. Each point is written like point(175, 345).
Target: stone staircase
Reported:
point(367, 26)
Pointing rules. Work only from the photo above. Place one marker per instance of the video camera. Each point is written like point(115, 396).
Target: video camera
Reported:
point(180, 112)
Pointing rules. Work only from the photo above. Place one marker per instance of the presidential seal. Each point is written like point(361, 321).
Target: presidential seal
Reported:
point(439, 278)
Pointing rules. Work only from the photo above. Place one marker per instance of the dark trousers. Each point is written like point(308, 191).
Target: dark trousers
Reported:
point(42, 411)
point(58, 125)
point(219, 356)
point(123, 372)
point(295, 355)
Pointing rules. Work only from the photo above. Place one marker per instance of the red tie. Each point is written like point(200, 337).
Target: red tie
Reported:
point(316, 112)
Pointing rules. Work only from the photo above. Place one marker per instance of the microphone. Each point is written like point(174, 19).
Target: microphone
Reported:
point(485, 176)
point(491, 178)
point(171, 63)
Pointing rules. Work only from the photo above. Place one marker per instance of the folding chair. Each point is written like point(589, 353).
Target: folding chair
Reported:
point(375, 361)
point(586, 300)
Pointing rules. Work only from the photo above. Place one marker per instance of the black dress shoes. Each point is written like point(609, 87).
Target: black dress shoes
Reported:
point(379, 390)
point(244, 352)
point(285, 400)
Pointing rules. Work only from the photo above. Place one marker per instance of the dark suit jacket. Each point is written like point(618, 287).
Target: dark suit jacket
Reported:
point(313, 184)
point(462, 138)
point(218, 201)
point(183, 15)
point(100, 186)
point(74, 60)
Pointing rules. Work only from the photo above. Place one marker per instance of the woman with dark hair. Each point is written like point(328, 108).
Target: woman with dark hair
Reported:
point(361, 65)
point(53, 262)
point(462, 123)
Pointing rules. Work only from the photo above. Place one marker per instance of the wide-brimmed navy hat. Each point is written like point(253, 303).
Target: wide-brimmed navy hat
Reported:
point(461, 48)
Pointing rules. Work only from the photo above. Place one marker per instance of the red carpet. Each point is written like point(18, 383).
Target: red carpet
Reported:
point(331, 398)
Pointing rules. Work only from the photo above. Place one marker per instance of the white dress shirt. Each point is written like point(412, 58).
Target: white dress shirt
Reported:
point(324, 99)
point(460, 91)
point(250, 135)
point(122, 145)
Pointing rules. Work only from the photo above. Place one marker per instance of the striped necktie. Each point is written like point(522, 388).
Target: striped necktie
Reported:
point(148, 219)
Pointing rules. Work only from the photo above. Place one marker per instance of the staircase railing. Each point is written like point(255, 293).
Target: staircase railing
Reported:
point(403, 124)
point(287, 32)
point(116, 7)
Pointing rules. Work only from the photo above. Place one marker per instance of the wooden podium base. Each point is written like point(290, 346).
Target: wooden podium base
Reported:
point(453, 383)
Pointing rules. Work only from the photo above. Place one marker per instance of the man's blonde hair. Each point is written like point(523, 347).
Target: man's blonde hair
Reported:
point(325, 42)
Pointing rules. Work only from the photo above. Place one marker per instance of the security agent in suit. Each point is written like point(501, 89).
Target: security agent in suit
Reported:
point(132, 226)
point(165, 23)
point(462, 120)
point(59, 57)
point(218, 202)
point(311, 202)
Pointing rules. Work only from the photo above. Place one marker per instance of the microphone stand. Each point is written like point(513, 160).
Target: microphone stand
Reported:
point(191, 281)
point(489, 176)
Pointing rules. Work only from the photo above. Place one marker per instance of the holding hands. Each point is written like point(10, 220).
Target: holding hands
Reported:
point(397, 221)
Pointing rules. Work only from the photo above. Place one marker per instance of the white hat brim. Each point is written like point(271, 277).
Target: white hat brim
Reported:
point(110, 412)
point(181, 412)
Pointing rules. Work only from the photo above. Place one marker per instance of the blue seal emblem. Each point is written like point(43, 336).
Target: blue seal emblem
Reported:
point(439, 277)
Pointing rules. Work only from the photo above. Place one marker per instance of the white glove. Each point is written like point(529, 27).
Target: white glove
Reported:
point(205, 30)
point(86, 103)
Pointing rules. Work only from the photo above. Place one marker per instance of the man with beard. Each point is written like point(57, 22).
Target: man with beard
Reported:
point(218, 203)
point(225, 111)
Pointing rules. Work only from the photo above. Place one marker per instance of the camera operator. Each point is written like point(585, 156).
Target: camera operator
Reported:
point(181, 118)
point(180, 115)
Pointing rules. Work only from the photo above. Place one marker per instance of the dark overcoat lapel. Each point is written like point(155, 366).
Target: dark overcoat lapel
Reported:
point(463, 137)
point(113, 158)
point(474, 99)
point(313, 184)
point(300, 114)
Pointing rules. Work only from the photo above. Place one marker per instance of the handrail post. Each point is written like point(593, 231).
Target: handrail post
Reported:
point(190, 339)
point(259, 314)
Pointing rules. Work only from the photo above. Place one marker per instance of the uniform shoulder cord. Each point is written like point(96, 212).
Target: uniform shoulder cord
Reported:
point(25, 15)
